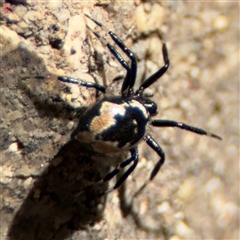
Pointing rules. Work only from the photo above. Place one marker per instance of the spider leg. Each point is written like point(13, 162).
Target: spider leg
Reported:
point(129, 81)
point(128, 84)
point(82, 83)
point(151, 143)
point(153, 78)
point(134, 159)
point(169, 123)
point(113, 50)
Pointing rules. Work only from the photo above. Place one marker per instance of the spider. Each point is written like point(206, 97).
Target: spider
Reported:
point(116, 124)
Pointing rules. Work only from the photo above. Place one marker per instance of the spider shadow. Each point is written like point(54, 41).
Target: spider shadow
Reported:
point(63, 199)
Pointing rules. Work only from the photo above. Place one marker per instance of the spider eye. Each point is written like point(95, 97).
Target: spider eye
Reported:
point(151, 107)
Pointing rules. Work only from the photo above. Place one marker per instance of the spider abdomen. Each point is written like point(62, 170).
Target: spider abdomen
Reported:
point(112, 124)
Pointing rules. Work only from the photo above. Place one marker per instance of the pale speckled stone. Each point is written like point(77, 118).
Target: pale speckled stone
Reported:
point(208, 43)
point(189, 140)
point(163, 207)
point(6, 173)
point(150, 69)
point(208, 15)
point(65, 15)
point(74, 40)
point(155, 50)
point(164, 103)
point(196, 25)
point(213, 185)
point(140, 49)
point(192, 58)
point(179, 216)
point(232, 150)
point(230, 213)
point(204, 144)
point(221, 23)
point(20, 10)
point(53, 5)
point(150, 19)
point(195, 72)
point(70, 124)
point(186, 189)
point(175, 237)
point(25, 170)
point(219, 167)
point(183, 230)
point(30, 16)
point(28, 182)
point(13, 147)
point(142, 162)
point(104, 2)
point(226, 211)
point(9, 40)
point(12, 17)
point(44, 50)
point(22, 24)
point(186, 104)
point(143, 207)
point(214, 122)
point(57, 138)
point(113, 215)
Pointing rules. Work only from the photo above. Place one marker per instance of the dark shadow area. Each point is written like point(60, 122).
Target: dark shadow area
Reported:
point(61, 201)
point(64, 198)
point(17, 2)
point(46, 97)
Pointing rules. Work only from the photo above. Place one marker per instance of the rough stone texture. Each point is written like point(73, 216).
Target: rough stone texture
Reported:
point(47, 181)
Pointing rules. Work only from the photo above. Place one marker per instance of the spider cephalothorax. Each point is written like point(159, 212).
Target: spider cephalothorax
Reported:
point(118, 123)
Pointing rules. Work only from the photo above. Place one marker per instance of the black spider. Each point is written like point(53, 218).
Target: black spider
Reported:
point(118, 123)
